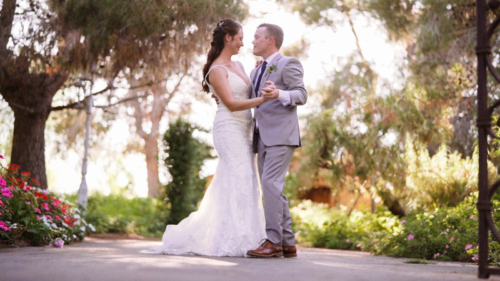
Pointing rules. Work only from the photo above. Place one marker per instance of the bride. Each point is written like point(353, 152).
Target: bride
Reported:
point(230, 220)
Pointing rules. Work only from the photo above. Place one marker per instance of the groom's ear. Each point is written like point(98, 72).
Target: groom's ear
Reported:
point(272, 40)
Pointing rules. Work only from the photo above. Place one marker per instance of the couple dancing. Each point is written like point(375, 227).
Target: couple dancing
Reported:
point(231, 220)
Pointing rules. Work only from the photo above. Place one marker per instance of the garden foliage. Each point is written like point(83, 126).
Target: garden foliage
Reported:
point(448, 234)
point(32, 216)
point(185, 157)
point(115, 213)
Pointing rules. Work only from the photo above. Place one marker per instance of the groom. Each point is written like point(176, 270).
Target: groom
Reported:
point(276, 134)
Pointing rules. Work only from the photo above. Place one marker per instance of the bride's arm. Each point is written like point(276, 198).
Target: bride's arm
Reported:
point(218, 80)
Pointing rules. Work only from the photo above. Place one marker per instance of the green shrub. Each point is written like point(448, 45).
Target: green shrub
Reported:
point(445, 179)
point(445, 234)
point(185, 156)
point(117, 214)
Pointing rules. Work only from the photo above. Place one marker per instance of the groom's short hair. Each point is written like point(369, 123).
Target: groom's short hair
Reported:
point(274, 31)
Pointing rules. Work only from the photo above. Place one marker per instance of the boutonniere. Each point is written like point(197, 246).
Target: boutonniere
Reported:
point(272, 68)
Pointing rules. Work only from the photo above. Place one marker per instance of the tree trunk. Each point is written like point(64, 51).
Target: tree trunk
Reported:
point(28, 145)
point(161, 98)
point(151, 151)
point(392, 203)
point(30, 98)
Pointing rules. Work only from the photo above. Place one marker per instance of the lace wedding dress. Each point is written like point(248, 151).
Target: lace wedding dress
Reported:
point(230, 220)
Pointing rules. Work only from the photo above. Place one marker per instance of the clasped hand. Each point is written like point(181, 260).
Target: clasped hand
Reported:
point(270, 92)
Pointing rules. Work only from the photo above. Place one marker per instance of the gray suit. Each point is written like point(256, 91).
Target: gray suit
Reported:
point(275, 139)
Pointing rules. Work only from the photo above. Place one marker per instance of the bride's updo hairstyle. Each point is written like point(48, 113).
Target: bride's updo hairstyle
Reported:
point(226, 26)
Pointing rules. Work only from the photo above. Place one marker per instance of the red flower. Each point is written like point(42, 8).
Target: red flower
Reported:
point(68, 222)
point(26, 173)
point(38, 195)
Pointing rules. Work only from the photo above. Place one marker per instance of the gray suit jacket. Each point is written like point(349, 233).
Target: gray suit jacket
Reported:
point(278, 124)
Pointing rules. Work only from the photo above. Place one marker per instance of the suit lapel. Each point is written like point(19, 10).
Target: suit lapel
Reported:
point(266, 73)
point(252, 78)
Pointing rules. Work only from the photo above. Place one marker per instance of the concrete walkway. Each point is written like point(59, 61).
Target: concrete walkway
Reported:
point(100, 259)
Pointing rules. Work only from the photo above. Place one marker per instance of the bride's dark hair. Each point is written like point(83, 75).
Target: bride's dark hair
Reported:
point(226, 26)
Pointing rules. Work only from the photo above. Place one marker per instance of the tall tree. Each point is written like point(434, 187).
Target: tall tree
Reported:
point(56, 38)
point(148, 112)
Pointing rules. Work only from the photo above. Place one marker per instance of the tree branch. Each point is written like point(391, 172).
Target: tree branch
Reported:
point(121, 101)
point(76, 104)
point(355, 34)
point(28, 109)
point(172, 93)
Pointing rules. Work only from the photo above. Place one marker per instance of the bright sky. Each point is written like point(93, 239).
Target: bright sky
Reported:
point(110, 169)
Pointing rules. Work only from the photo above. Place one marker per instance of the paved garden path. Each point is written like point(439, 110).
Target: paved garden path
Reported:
point(103, 259)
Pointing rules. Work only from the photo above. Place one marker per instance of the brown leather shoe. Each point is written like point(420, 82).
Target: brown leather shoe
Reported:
point(267, 250)
point(289, 251)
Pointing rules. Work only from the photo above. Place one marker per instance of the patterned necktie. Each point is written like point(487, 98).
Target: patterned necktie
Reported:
point(262, 68)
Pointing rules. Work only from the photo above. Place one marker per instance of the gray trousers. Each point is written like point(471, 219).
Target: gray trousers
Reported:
point(273, 165)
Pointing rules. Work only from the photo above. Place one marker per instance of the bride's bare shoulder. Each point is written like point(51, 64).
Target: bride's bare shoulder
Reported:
point(238, 64)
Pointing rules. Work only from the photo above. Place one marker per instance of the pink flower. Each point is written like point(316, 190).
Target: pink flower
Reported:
point(45, 206)
point(475, 257)
point(445, 252)
point(58, 218)
point(403, 221)
point(48, 217)
point(468, 246)
point(38, 217)
point(1, 203)
point(54, 204)
point(6, 192)
point(38, 210)
point(452, 239)
point(447, 246)
point(1, 156)
point(359, 245)
point(59, 243)
point(3, 183)
point(472, 216)
point(3, 226)
point(347, 241)
point(410, 237)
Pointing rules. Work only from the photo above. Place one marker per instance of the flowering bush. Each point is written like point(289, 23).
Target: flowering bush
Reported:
point(444, 234)
point(34, 216)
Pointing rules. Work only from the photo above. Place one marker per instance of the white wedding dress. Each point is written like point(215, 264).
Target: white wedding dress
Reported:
point(230, 220)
